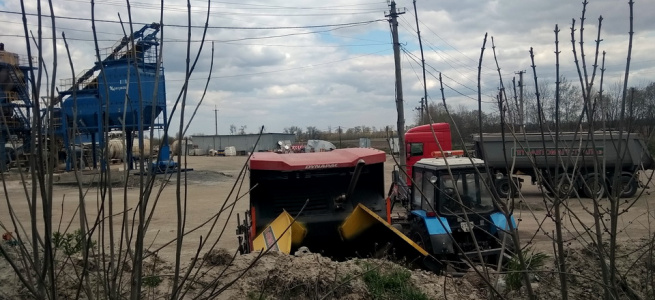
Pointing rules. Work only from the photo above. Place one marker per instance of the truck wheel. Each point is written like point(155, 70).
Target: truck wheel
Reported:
point(504, 186)
point(565, 185)
point(594, 187)
point(627, 186)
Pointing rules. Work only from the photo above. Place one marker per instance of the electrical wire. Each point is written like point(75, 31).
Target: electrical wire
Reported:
point(210, 27)
point(472, 71)
point(223, 11)
point(446, 42)
point(444, 83)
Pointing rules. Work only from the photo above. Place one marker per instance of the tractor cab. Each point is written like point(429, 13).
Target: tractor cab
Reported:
point(452, 209)
point(463, 189)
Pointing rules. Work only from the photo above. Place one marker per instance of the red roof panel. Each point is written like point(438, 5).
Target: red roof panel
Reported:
point(338, 158)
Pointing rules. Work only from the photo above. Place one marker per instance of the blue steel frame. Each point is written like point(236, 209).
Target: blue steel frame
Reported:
point(129, 92)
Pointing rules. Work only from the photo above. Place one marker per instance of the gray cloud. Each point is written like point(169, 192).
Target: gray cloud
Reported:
point(323, 76)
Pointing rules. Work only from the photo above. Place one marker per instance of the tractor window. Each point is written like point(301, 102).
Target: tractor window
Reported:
point(428, 191)
point(418, 186)
point(416, 149)
point(467, 187)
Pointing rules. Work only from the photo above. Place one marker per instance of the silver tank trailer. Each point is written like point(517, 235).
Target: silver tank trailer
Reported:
point(572, 149)
point(535, 153)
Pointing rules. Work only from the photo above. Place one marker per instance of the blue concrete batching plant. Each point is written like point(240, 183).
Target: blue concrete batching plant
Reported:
point(124, 91)
point(15, 107)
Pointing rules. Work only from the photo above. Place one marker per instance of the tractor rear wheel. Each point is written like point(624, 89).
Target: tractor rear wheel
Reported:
point(419, 234)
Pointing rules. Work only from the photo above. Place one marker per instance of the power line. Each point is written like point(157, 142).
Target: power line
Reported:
point(445, 84)
point(446, 42)
point(447, 60)
point(416, 59)
point(293, 7)
point(183, 8)
point(199, 26)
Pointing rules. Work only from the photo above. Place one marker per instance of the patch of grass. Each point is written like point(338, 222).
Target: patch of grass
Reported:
point(70, 243)
point(252, 295)
point(391, 283)
point(151, 281)
point(533, 260)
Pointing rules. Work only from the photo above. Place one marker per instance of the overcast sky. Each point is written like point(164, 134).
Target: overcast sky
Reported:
point(329, 64)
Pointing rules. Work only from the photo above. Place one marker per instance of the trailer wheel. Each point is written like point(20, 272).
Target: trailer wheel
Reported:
point(504, 186)
point(627, 186)
point(594, 187)
point(565, 185)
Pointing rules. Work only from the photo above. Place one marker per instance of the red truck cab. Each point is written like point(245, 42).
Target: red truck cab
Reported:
point(420, 143)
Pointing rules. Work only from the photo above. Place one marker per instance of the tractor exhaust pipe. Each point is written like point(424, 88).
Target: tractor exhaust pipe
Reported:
point(355, 178)
point(341, 199)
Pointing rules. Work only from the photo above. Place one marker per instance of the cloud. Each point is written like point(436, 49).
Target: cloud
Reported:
point(271, 67)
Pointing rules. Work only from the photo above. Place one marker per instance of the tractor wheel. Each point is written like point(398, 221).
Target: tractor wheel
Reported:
point(594, 187)
point(419, 234)
point(509, 247)
point(628, 186)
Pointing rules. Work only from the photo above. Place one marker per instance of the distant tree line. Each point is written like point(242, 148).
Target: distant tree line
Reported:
point(639, 116)
point(336, 133)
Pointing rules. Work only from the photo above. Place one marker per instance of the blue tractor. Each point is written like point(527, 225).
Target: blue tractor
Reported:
point(452, 213)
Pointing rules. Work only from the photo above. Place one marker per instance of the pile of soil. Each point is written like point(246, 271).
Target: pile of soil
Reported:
point(635, 265)
point(312, 276)
point(220, 274)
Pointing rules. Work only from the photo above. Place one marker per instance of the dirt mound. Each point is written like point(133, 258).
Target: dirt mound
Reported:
point(312, 276)
point(220, 275)
point(634, 269)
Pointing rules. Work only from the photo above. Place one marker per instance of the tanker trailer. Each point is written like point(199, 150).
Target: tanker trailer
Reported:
point(589, 164)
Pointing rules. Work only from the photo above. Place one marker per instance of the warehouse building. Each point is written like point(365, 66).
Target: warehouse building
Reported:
point(243, 143)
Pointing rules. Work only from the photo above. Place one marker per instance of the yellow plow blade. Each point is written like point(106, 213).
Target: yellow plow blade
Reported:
point(366, 226)
point(284, 230)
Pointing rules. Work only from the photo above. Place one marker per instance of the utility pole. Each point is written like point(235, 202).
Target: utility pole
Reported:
point(393, 15)
point(216, 125)
point(420, 109)
point(216, 119)
point(339, 137)
point(522, 111)
point(424, 100)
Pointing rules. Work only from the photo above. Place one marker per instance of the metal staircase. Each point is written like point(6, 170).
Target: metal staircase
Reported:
point(20, 100)
point(143, 40)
